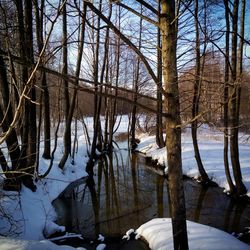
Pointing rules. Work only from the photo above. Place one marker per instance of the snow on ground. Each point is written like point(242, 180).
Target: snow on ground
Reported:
point(10, 244)
point(158, 233)
point(211, 150)
point(31, 216)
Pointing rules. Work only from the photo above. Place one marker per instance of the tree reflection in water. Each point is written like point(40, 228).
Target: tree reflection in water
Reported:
point(125, 193)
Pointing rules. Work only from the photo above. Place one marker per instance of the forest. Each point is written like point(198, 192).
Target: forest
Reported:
point(86, 85)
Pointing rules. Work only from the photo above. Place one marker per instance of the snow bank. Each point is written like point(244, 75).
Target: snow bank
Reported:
point(158, 233)
point(30, 215)
point(211, 150)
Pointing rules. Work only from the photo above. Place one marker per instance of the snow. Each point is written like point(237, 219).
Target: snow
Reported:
point(127, 235)
point(101, 247)
point(32, 211)
point(10, 244)
point(101, 238)
point(29, 216)
point(158, 233)
point(211, 150)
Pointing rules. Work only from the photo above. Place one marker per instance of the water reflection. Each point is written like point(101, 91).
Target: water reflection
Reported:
point(125, 193)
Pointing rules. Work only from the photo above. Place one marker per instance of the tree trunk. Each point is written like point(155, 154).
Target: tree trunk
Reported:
point(39, 11)
point(234, 102)
point(133, 143)
point(225, 105)
point(6, 110)
point(196, 99)
point(65, 65)
point(97, 100)
point(159, 126)
point(32, 137)
point(67, 133)
point(173, 130)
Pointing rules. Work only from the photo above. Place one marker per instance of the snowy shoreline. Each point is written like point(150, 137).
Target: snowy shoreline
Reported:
point(211, 150)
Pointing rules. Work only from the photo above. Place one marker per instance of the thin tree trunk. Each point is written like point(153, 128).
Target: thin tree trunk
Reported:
point(173, 122)
point(114, 102)
point(39, 11)
point(159, 123)
point(67, 133)
point(225, 106)
point(234, 102)
point(97, 125)
point(103, 70)
point(32, 128)
point(133, 143)
point(196, 99)
point(65, 65)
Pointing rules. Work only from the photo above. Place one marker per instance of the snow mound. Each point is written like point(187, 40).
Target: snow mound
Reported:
point(158, 233)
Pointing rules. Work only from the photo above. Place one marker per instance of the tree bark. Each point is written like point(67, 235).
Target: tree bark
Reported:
point(173, 130)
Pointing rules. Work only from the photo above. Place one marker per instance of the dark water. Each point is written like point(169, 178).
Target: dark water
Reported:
point(127, 193)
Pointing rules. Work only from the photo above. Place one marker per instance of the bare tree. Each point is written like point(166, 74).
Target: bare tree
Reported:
point(173, 122)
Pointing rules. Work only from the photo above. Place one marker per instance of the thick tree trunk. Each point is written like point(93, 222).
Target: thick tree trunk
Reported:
point(6, 117)
point(173, 130)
